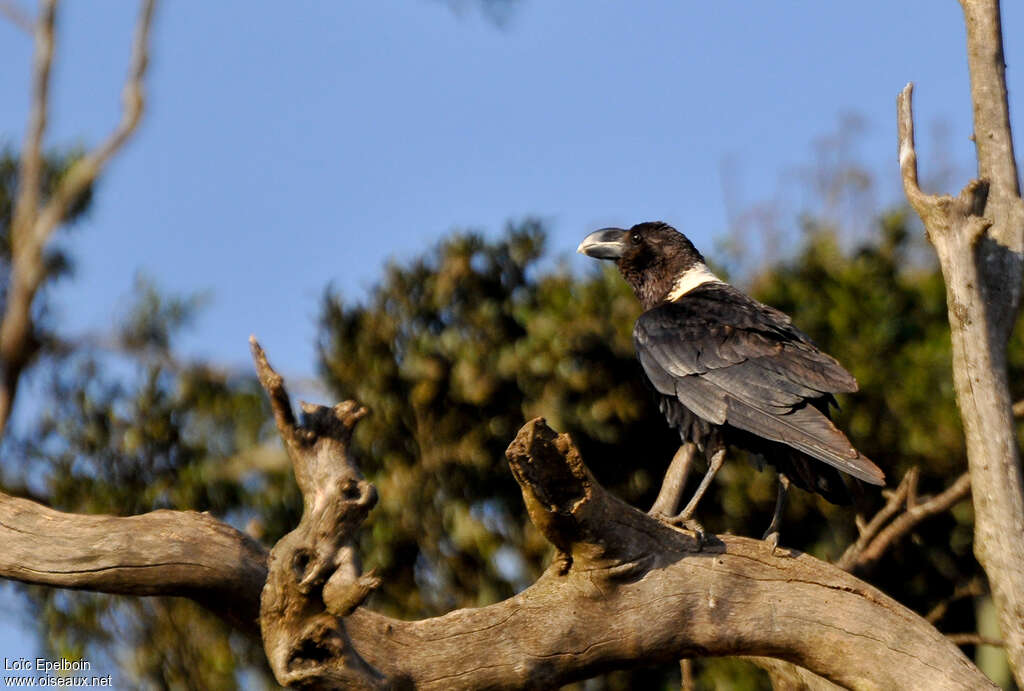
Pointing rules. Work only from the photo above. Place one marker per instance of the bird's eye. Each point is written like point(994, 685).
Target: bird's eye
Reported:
point(635, 238)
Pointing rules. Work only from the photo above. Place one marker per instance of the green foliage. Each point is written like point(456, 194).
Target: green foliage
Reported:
point(452, 353)
point(55, 165)
point(131, 431)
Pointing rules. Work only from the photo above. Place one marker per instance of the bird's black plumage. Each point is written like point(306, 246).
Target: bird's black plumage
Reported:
point(725, 363)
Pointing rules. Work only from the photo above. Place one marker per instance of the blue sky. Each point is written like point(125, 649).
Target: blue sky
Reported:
point(287, 146)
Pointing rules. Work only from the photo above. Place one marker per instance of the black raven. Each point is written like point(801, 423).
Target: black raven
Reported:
point(731, 370)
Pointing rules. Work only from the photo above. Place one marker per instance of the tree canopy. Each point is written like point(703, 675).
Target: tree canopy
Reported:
point(451, 351)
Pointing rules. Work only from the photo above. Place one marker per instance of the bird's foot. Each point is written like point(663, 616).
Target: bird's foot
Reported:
point(682, 520)
point(691, 523)
point(698, 531)
point(771, 538)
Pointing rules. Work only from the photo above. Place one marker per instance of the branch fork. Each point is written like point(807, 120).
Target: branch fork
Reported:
point(314, 575)
point(626, 589)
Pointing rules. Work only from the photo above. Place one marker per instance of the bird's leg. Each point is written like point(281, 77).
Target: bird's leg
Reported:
point(771, 536)
point(672, 486)
point(716, 452)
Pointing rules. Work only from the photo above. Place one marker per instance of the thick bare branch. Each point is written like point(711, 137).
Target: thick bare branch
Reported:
point(180, 553)
point(637, 592)
point(979, 239)
point(33, 225)
point(631, 591)
point(315, 578)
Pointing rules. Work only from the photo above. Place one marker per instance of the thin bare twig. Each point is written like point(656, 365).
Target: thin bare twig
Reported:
point(17, 16)
point(1018, 408)
point(974, 639)
point(686, 675)
point(897, 499)
point(973, 588)
point(907, 521)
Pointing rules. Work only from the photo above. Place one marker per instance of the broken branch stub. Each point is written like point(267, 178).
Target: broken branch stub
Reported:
point(314, 574)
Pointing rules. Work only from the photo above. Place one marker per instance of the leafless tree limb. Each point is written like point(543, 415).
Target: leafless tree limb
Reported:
point(911, 517)
point(897, 499)
point(879, 534)
point(979, 239)
point(974, 639)
point(180, 553)
point(315, 578)
point(17, 16)
point(974, 588)
point(34, 222)
point(629, 590)
point(785, 676)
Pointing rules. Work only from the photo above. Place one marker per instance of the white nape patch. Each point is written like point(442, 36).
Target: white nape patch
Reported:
point(696, 275)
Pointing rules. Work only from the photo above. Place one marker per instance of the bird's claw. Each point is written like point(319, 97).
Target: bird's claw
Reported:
point(771, 538)
point(698, 530)
point(683, 521)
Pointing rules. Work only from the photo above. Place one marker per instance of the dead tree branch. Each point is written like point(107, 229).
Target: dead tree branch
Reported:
point(974, 639)
point(897, 499)
point(627, 591)
point(34, 220)
point(181, 553)
point(315, 578)
point(17, 16)
point(879, 534)
point(909, 519)
point(974, 588)
point(979, 239)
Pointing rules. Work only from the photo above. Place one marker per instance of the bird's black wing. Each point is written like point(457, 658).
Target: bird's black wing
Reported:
point(731, 360)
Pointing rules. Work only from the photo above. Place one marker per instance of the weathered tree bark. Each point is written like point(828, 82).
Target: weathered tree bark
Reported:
point(315, 578)
point(626, 589)
point(979, 239)
point(180, 553)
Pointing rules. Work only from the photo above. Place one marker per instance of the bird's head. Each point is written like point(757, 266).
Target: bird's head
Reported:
point(651, 256)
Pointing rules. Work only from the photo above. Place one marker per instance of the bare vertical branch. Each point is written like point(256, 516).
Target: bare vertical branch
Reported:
point(979, 239)
point(315, 578)
point(26, 206)
point(33, 224)
point(993, 136)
